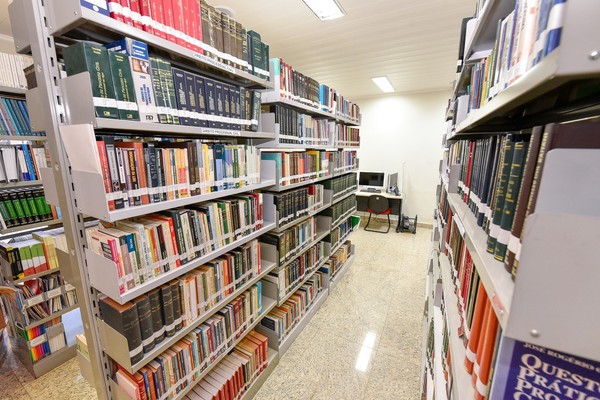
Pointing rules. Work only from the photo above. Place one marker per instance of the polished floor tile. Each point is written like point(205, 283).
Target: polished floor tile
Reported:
point(364, 342)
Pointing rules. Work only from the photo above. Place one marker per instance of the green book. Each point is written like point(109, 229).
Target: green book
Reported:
point(500, 193)
point(86, 57)
point(124, 89)
point(36, 215)
point(255, 109)
point(168, 88)
point(510, 199)
point(159, 95)
point(256, 51)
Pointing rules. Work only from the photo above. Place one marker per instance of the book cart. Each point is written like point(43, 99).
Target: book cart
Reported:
point(64, 109)
point(546, 310)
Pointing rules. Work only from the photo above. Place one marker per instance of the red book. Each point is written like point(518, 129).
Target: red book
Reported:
point(169, 20)
point(158, 18)
point(479, 315)
point(178, 21)
point(187, 22)
point(489, 313)
point(126, 11)
point(105, 172)
point(146, 16)
point(136, 14)
point(196, 24)
point(487, 354)
point(116, 10)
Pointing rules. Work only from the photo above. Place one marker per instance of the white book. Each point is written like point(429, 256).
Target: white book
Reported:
point(9, 157)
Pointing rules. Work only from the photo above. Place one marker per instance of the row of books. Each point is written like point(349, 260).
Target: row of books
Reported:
point(136, 87)
point(300, 128)
point(228, 380)
point(340, 210)
point(44, 340)
point(25, 206)
point(340, 233)
point(338, 260)
point(39, 298)
point(137, 172)
point(296, 203)
point(146, 247)
point(26, 258)
point(290, 277)
point(182, 364)
point(501, 175)
point(346, 135)
point(292, 84)
point(21, 163)
point(523, 39)
point(232, 377)
point(345, 161)
point(341, 184)
point(14, 118)
point(282, 319)
point(196, 26)
point(293, 240)
point(11, 71)
point(296, 167)
point(153, 317)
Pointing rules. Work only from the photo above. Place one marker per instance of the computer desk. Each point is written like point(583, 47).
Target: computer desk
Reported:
point(395, 203)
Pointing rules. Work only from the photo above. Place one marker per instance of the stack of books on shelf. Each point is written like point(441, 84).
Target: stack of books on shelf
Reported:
point(44, 340)
point(293, 240)
point(22, 163)
point(12, 75)
point(14, 118)
point(341, 210)
point(500, 176)
point(25, 206)
point(139, 172)
point(294, 204)
point(293, 274)
point(299, 128)
point(530, 33)
point(146, 247)
point(293, 85)
point(200, 348)
point(137, 87)
point(338, 260)
point(346, 136)
point(296, 167)
point(282, 319)
point(341, 185)
point(196, 26)
point(345, 161)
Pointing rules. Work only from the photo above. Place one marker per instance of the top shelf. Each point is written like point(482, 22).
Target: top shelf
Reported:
point(69, 15)
point(557, 89)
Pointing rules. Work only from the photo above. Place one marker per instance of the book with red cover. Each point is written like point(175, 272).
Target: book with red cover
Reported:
point(178, 21)
point(168, 20)
point(146, 16)
point(136, 13)
point(114, 7)
point(480, 314)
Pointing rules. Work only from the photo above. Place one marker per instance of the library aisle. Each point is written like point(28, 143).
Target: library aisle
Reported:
point(364, 343)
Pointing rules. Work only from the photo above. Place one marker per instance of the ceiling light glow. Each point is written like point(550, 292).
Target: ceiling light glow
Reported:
point(384, 84)
point(325, 9)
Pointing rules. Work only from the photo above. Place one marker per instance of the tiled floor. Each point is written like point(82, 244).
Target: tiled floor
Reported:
point(364, 343)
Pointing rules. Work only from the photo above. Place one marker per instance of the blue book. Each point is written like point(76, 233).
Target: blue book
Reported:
point(24, 126)
point(14, 128)
point(31, 176)
point(100, 6)
point(555, 22)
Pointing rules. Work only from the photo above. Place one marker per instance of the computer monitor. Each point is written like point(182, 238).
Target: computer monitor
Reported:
point(375, 180)
point(393, 180)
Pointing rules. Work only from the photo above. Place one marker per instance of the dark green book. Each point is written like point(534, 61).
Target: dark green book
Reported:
point(510, 199)
point(168, 88)
point(124, 89)
point(256, 51)
point(86, 57)
point(500, 193)
point(255, 109)
point(159, 95)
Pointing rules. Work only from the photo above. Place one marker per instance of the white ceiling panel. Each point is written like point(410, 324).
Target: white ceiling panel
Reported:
point(413, 42)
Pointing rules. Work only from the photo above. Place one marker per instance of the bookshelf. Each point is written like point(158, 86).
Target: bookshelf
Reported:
point(537, 305)
point(65, 109)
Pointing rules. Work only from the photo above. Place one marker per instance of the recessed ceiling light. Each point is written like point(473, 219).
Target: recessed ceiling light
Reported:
point(384, 84)
point(325, 9)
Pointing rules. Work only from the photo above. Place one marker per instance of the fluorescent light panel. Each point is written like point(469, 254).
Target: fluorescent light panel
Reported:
point(384, 84)
point(325, 9)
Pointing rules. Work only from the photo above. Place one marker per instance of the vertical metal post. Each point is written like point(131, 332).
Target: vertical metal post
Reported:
point(47, 75)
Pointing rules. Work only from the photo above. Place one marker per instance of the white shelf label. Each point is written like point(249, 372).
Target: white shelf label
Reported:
point(32, 301)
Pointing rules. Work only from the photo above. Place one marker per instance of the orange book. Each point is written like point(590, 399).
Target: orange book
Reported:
point(479, 353)
point(487, 354)
point(478, 318)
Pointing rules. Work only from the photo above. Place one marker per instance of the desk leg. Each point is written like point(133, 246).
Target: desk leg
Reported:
point(399, 216)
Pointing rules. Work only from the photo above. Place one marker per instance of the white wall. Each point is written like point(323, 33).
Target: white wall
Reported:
point(408, 129)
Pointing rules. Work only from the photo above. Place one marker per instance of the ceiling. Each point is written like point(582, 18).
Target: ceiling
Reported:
point(413, 42)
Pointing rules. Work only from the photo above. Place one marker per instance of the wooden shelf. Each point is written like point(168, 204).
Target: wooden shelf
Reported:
point(496, 280)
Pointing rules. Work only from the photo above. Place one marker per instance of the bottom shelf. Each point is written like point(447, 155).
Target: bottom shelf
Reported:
point(46, 364)
point(341, 272)
point(273, 359)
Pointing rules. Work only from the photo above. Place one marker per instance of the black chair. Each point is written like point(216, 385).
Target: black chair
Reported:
point(378, 205)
